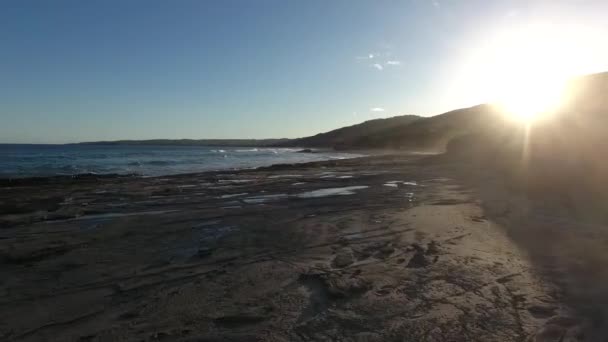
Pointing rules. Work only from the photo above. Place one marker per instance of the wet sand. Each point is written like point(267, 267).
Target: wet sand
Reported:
point(388, 248)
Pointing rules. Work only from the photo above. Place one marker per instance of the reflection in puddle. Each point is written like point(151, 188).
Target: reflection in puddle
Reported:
point(235, 180)
point(234, 195)
point(410, 196)
point(232, 207)
point(348, 190)
point(333, 175)
point(206, 224)
point(412, 183)
point(116, 215)
point(203, 241)
point(285, 176)
point(264, 198)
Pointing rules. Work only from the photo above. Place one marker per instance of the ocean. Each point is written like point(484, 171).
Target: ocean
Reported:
point(17, 161)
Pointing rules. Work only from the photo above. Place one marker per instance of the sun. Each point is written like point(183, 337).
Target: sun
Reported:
point(531, 97)
point(525, 69)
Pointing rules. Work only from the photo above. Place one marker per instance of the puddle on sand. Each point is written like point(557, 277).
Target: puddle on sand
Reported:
point(411, 183)
point(205, 235)
point(232, 207)
point(409, 196)
point(264, 198)
point(210, 231)
point(206, 224)
point(115, 215)
point(348, 190)
point(95, 221)
point(233, 195)
point(285, 176)
point(236, 180)
point(332, 175)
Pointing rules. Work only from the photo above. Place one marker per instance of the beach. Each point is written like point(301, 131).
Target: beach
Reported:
point(382, 248)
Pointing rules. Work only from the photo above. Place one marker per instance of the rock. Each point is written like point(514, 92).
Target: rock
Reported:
point(563, 321)
point(342, 259)
point(384, 252)
point(204, 252)
point(306, 150)
point(240, 319)
point(432, 248)
point(129, 315)
point(550, 333)
point(435, 335)
point(346, 286)
point(356, 273)
point(542, 311)
point(28, 255)
point(478, 218)
point(418, 260)
point(367, 337)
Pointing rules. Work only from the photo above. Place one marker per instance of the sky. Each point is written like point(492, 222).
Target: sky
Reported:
point(84, 70)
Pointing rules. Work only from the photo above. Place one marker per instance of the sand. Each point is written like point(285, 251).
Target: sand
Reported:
point(323, 251)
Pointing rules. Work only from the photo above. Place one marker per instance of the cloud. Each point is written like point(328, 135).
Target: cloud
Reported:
point(435, 3)
point(378, 66)
point(368, 56)
point(393, 63)
point(376, 109)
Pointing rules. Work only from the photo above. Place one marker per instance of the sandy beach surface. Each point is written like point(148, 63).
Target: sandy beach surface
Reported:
point(386, 248)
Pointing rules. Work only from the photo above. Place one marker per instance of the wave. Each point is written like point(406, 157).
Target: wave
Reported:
point(152, 162)
point(149, 162)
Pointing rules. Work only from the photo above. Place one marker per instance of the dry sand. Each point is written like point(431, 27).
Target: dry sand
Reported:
point(401, 248)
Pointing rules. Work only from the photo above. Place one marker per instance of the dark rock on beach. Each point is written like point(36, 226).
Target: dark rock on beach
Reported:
point(243, 256)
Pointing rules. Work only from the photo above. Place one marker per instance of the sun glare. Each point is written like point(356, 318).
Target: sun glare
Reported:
point(525, 70)
point(531, 98)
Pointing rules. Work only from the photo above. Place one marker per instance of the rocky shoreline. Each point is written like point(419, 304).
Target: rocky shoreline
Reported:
point(385, 248)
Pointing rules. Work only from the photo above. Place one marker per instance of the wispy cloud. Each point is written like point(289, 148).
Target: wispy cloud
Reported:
point(376, 109)
point(368, 56)
point(436, 3)
point(380, 60)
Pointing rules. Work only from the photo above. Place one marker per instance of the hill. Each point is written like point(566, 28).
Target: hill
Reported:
point(347, 137)
point(404, 132)
point(432, 133)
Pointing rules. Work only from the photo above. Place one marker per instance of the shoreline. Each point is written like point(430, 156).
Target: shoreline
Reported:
point(92, 175)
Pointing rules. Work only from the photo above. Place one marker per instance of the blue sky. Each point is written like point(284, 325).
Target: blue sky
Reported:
point(101, 70)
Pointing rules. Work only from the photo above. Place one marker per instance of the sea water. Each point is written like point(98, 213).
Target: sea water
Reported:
point(51, 160)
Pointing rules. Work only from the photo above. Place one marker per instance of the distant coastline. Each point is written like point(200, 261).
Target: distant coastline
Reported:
point(192, 142)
